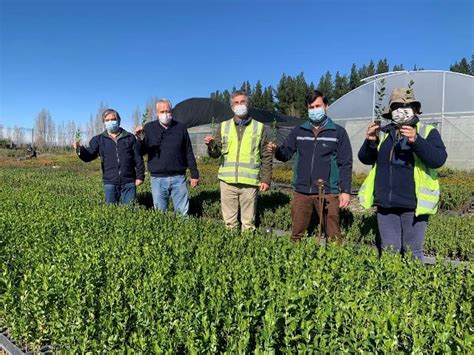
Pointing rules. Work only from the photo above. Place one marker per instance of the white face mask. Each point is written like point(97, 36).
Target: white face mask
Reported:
point(165, 118)
point(240, 110)
point(402, 115)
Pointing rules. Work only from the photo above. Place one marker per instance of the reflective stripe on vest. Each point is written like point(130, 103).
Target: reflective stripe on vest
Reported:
point(426, 181)
point(240, 161)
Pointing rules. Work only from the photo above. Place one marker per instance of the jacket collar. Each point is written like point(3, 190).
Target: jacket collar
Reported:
point(123, 133)
point(158, 124)
point(328, 125)
point(247, 120)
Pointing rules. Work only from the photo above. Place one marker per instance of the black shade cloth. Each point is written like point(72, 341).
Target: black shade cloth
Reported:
point(200, 111)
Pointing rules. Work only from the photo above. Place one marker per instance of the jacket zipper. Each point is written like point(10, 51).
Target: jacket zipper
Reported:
point(118, 159)
point(391, 172)
point(238, 153)
point(312, 161)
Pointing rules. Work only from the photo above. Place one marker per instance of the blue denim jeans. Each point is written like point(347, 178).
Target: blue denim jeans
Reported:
point(125, 193)
point(162, 188)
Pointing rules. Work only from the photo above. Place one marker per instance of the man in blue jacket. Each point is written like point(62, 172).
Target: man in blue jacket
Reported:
point(170, 153)
point(323, 151)
point(122, 164)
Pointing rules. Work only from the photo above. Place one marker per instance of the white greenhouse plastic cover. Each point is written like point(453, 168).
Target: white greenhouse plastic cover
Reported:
point(447, 101)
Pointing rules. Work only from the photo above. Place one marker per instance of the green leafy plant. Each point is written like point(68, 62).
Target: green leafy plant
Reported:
point(84, 277)
point(380, 90)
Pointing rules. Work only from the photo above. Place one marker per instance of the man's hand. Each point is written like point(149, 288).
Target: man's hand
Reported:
point(194, 183)
point(138, 182)
point(208, 140)
point(372, 131)
point(264, 187)
point(409, 132)
point(271, 147)
point(138, 130)
point(344, 199)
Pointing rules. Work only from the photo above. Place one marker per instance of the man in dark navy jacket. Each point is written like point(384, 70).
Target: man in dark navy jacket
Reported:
point(323, 151)
point(122, 164)
point(170, 153)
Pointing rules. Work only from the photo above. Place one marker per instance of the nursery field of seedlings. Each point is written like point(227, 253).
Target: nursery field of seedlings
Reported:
point(81, 276)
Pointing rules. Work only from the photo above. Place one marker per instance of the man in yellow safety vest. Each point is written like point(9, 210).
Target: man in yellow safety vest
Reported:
point(246, 166)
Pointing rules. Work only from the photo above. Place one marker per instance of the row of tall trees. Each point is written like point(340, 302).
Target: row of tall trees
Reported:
point(288, 97)
point(47, 134)
point(464, 66)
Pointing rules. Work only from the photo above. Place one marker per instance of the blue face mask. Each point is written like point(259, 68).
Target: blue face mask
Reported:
point(112, 126)
point(316, 115)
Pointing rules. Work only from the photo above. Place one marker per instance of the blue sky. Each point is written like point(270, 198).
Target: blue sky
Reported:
point(68, 56)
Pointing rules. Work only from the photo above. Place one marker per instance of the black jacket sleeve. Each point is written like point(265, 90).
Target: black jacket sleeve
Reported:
point(214, 149)
point(344, 161)
point(431, 150)
point(266, 158)
point(191, 160)
point(368, 152)
point(286, 150)
point(90, 153)
point(139, 164)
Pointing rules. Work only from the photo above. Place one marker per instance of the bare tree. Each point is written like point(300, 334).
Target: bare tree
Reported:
point(98, 123)
point(8, 133)
point(71, 129)
point(61, 134)
point(50, 132)
point(150, 107)
point(136, 117)
point(41, 128)
point(91, 126)
point(18, 135)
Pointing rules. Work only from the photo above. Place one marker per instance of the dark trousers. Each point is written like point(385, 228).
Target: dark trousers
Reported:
point(401, 230)
point(302, 208)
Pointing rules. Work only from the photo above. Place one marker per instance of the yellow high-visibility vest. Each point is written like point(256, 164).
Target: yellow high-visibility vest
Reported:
point(426, 181)
point(240, 161)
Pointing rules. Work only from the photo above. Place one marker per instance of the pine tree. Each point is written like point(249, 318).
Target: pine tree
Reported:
point(382, 66)
point(354, 80)
point(471, 69)
point(291, 93)
point(326, 86)
point(371, 69)
point(461, 67)
point(269, 102)
point(397, 67)
point(301, 89)
point(217, 95)
point(247, 88)
point(363, 72)
point(341, 86)
point(226, 96)
point(283, 94)
point(258, 101)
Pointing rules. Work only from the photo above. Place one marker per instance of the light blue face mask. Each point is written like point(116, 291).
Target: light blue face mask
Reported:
point(112, 126)
point(316, 115)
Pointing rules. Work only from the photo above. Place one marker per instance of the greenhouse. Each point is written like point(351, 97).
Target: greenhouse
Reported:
point(447, 102)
